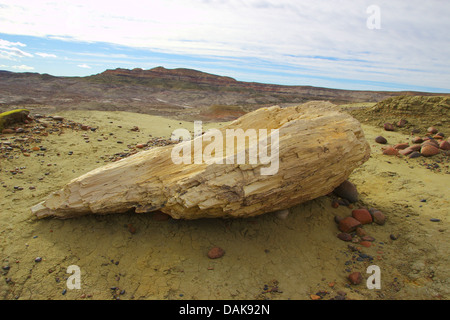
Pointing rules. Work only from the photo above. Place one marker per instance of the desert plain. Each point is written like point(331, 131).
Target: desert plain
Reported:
point(151, 256)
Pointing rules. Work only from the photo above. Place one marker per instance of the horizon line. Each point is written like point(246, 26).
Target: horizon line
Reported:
point(241, 81)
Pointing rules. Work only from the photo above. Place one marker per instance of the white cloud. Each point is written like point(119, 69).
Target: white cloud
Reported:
point(328, 38)
point(22, 67)
point(45, 55)
point(101, 55)
point(9, 50)
point(6, 43)
point(84, 65)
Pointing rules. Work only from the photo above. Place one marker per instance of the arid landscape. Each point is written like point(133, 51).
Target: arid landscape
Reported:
point(176, 93)
point(76, 125)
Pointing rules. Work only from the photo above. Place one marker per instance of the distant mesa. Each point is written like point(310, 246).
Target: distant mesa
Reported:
point(180, 74)
point(181, 93)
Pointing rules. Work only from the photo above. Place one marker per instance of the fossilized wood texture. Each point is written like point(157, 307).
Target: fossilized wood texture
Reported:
point(319, 147)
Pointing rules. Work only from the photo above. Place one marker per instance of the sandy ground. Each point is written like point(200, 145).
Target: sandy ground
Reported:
point(266, 257)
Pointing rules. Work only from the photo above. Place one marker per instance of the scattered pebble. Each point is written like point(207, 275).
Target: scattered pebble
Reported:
point(360, 232)
point(381, 140)
point(216, 253)
point(401, 146)
point(355, 278)
point(390, 151)
point(414, 154)
point(379, 218)
point(368, 238)
point(344, 236)
point(432, 130)
point(389, 127)
point(430, 142)
point(348, 224)
point(362, 215)
point(347, 190)
point(444, 145)
point(429, 150)
point(366, 244)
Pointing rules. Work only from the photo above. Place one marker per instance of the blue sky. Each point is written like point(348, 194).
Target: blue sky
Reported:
point(293, 42)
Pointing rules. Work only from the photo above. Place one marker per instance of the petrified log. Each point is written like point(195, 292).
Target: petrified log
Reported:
point(318, 147)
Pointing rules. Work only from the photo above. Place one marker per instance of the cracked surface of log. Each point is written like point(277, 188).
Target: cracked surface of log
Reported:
point(319, 147)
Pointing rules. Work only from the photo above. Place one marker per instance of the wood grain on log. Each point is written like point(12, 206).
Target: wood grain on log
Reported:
point(319, 147)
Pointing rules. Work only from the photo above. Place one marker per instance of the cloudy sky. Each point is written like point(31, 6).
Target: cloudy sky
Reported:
point(348, 44)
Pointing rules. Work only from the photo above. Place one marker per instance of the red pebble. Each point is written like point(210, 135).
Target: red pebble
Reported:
point(366, 244)
point(401, 146)
point(390, 151)
point(362, 215)
point(216, 253)
point(444, 145)
point(355, 278)
point(429, 150)
point(348, 224)
point(432, 130)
